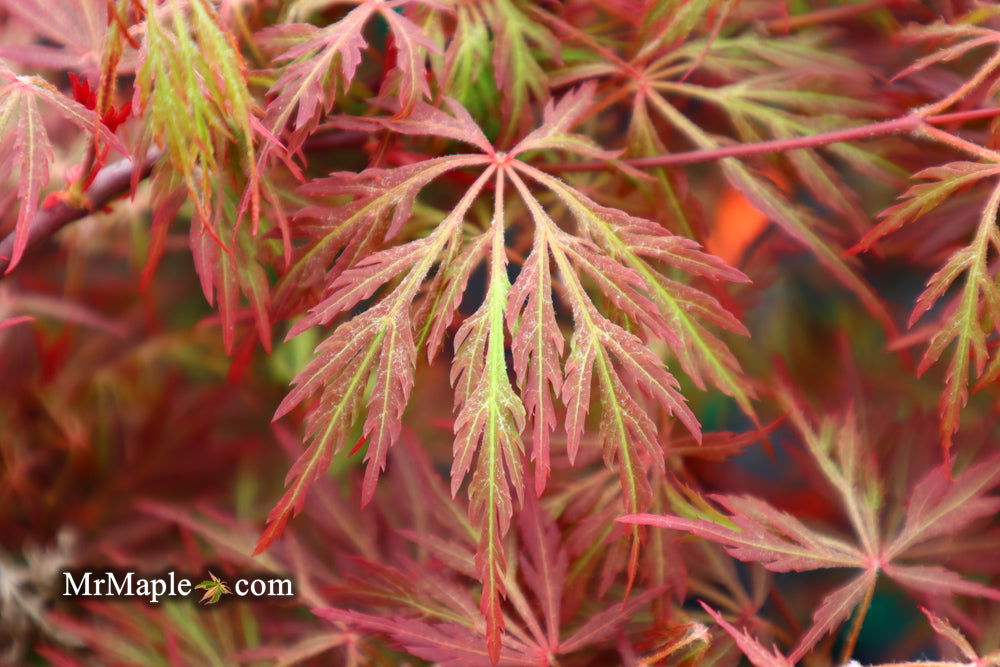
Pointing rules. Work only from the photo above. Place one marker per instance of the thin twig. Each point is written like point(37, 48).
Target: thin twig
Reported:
point(111, 182)
point(827, 15)
point(901, 125)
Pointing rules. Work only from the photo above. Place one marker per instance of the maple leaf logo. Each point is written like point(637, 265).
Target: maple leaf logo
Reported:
point(214, 589)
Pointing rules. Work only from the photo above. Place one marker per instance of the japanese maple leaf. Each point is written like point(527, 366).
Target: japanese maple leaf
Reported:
point(25, 148)
point(78, 26)
point(753, 530)
point(422, 607)
point(751, 648)
point(973, 314)
point(621, 255)
point(321, 60)
point(214, 589)
point(672, 66)
point(503, 34)
point(759, 656)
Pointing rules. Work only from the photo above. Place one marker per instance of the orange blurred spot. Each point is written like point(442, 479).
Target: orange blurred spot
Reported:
point(737, 223)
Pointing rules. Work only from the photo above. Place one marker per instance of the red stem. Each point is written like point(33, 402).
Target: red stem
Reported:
point(111, 182)
point(907, 123)
point(827, 15)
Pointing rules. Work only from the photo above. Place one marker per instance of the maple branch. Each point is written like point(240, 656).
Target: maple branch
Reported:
point(827, 15)
point(111, 182)
point(909, 123)
point(115, 179)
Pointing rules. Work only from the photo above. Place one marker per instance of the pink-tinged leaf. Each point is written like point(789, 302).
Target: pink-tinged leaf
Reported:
point(773, 538)
point(445, 644)
point(359, 283)
point(204, 251)
point(305, 86)
point(940, 506)
point(376, 345)
point(14, 321)
point(73, 34)
point(490, 420)
point(645, 369)
point(680, 309)
point(751, 648)
point(960, 262)
point(720, 445)
point(427, 120)
point(299, 652)
point(411, 46)
point(309, 466)
point(576, 391)
point(342, 367)
point(65, 310)
point(920, 199)
point(544, 563)
point(537, 345)
point(382, 201)
point(458, 557)
point(382, 268)
point(557, 121)
point(164, 213)
point(952, 634)
point(622, 286)
point(425, 592)
point(447, 289)
point(227, 273)
point(645, 237)
point(228, 293)
point(32, 154)
point(834, 610)
point(255, 286)
point(837, 446)
point(962, 323)
point(944, 32)
point(937, 580)
point(605, 623)
point(974, 315)
point(595, 347)
point(391, 393)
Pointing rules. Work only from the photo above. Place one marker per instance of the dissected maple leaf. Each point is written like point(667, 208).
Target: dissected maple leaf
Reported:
point(78, 26)
point(811, 84)
point(307, 85)
point(191, 86)
point(421, 607)
point(377, 348)
point(947, 631)
point(751, 648)
point(24, 142)
point(975, 311)
point(753, 530)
